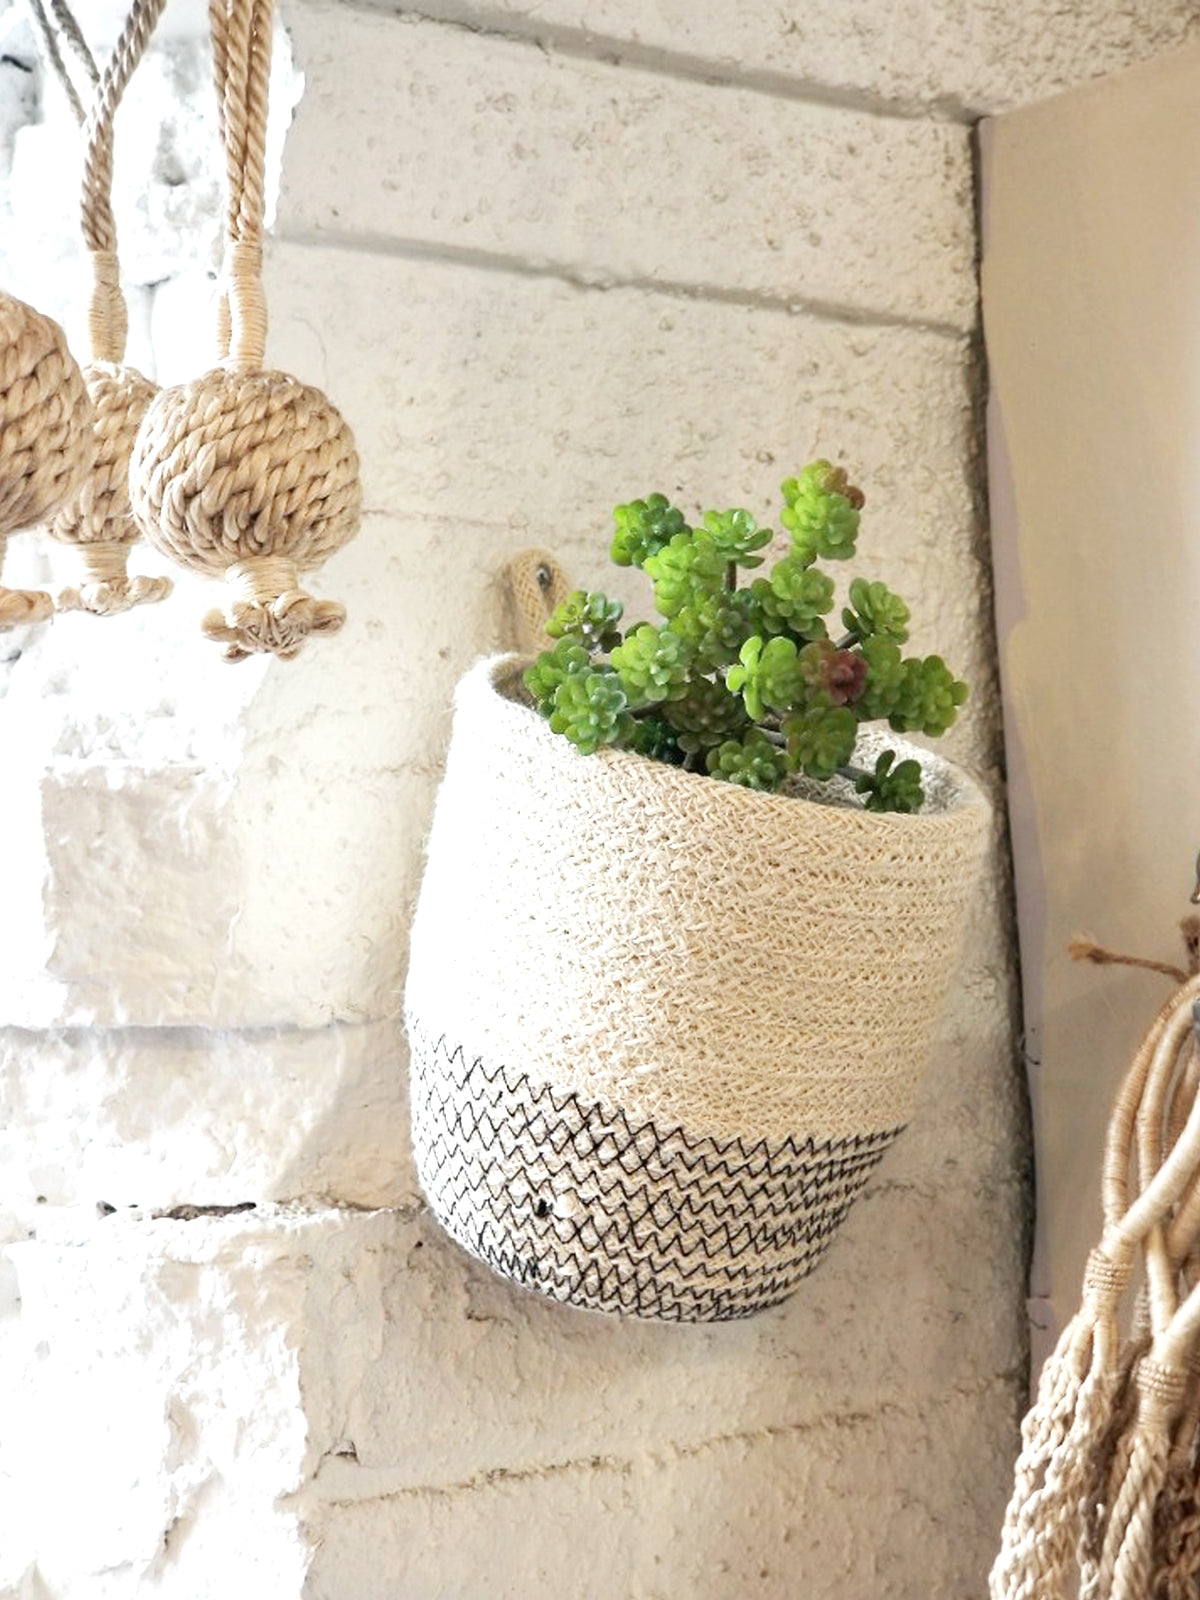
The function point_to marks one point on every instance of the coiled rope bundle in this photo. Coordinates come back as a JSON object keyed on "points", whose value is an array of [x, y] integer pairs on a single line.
{"points": [[246, 473], [98, 520], [1106, 1497]]}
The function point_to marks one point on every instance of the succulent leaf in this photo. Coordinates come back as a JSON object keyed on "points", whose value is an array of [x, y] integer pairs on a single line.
{"points": [[643, 527]]}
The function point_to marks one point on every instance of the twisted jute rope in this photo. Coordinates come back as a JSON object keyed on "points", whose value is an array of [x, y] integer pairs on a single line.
{"points": [[46, 444], [50, 36], [98, 521], [1099, 1444], [1142, 1531], [1118, 1555], [1164, 1450], [244, 473], [1176, 1536], [1176, 1557]]}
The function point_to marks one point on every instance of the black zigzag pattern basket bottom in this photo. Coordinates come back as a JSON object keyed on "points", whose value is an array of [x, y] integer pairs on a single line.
{"points": [[577, 1202]]}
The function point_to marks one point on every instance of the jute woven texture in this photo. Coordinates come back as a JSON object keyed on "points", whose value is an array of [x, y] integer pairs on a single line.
{"points": [[99, 521], [46, 445], [719, 978], [577, 1201]]}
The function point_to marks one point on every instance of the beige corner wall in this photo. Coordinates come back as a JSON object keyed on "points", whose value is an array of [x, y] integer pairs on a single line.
{"points": [[543, 261], [1092, 313]]}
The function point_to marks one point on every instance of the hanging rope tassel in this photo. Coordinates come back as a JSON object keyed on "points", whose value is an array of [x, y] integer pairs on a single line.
{"points": [[244, 473], [1127, 1555], [1060, 1440], [1177, 1518], [98, 522]]}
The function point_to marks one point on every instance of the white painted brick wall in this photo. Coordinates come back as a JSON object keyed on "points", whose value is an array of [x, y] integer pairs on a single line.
{"points": [[939, 58], [539, 273], [603, 174]]}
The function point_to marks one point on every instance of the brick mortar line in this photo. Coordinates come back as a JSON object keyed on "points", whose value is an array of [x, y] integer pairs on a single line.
{"points": [[417, 250], [970, 1394], [612, 50]]}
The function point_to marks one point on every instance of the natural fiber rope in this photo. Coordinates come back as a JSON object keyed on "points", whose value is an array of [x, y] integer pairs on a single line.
{"points": [[1173, 1558], [1112, 1435], [241, 35], [1098, 955], [1139, 1463], [108, 320], [71, 32], [1064, 1435], [535, 585], [100, 518], [20, 607], [46, 444], [245, 473], [48, 43], [1177, 1515]]}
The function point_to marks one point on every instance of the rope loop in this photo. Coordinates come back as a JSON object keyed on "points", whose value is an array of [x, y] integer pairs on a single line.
{"points": [[107, 318]]}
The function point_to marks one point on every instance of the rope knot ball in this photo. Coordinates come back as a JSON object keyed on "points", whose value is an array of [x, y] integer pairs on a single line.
{"points": [[250, 475], [46, 444], [99, 520]]}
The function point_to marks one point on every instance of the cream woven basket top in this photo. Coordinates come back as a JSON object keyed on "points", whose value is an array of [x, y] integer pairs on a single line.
{"points": [[700, 954]]}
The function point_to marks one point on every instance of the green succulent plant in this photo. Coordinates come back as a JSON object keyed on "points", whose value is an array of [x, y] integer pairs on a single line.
{"points": [[744, 681]]}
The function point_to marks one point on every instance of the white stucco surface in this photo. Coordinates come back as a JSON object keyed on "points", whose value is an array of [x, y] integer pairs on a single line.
{"points": [[539, 274]]}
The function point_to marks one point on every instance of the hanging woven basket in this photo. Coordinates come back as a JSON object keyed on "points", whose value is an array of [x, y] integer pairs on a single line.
{"points": [[664, 1027]]}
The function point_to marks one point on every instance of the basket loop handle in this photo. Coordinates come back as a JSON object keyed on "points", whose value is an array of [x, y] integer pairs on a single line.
{"points": [[535, 585]]}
